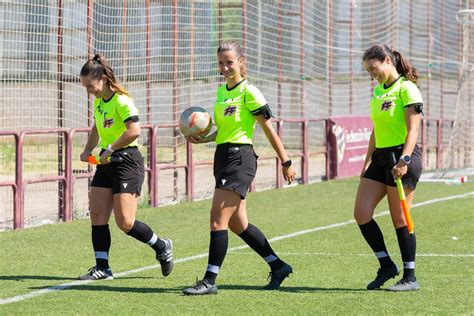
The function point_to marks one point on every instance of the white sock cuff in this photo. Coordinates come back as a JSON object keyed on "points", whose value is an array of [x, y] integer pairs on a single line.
{"points": [[270, 258], [153, 240], [213, 268], [409, 265], [102, 255]]}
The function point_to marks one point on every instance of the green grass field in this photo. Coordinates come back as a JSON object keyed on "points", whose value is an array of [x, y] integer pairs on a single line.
{"points": [[332, 264]]}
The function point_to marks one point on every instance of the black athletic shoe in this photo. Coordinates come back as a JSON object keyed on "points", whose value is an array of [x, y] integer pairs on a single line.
{"points": [[96, 273], [202, 287], [383, 275], [276, 277], [166, 258]]}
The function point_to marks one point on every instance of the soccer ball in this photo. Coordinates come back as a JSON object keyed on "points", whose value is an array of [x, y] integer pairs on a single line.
{"points": [[195, 121]]}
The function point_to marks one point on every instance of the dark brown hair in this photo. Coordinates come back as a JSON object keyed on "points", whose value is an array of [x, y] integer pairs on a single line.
{"points": [[235, 47], [403, 66], [97, 67]]}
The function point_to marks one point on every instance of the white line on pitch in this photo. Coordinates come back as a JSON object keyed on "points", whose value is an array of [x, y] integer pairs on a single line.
{"points": [[456, 255], [203, 255]]}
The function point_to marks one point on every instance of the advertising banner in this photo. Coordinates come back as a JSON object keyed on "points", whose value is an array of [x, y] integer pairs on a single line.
{"points": [[349, 138]]}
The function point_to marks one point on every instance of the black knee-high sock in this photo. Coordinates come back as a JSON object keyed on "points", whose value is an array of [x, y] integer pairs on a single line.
{"points": [[407, 244], [101, 244], [217, 251], [259, 243], [143, 233], [374, 237]]}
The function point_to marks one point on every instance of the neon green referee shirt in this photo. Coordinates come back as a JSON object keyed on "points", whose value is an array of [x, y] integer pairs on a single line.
{"points": [[387, 111], [110, 118], [233, 113]]}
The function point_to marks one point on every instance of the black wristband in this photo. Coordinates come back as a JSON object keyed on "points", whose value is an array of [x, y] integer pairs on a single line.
{"points": [[287, 163]]}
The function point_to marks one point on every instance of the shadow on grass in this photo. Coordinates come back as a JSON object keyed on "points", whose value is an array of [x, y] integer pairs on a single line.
{"points": [[290, 289], [33, 277], [178, 290], [21, 278], [119, 289]]}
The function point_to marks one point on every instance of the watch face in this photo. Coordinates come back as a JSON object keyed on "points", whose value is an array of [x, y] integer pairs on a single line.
{"points": [[406, 159]]}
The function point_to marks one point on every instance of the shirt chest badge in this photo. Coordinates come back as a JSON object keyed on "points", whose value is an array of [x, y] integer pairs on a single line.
{"points": [[386, 105], [230, 110], [107, 122], [387, 102]]}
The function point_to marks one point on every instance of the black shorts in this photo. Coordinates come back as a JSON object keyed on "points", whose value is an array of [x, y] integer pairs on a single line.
{"points": [[235, 166], [122, 177], [380, 167]]}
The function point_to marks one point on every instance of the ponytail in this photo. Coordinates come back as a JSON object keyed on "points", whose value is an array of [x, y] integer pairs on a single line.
{"points": [[97, 67], [404, 67]]}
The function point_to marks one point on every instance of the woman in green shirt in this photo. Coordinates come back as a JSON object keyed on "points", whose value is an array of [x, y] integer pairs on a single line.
{"points": [[116, 186], [238, 107], [395, 111]]}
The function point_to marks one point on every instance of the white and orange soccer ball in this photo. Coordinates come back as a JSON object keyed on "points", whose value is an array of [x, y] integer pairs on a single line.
{"points": [[195, 122]]}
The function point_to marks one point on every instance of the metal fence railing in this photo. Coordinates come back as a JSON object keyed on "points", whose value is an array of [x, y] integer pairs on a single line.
{"points": [[68, 177]]}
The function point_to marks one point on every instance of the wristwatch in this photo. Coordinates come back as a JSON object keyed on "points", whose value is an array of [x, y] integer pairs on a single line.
{"points": [[406, 159], [286, 164]]}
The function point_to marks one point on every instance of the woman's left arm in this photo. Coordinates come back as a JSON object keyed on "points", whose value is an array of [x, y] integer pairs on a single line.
{"points": [[413, 119], [129, 135], [266, 124]]}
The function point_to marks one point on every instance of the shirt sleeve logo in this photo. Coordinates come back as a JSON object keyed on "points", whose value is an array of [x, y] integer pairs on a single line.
{"points": [[229, 111]]}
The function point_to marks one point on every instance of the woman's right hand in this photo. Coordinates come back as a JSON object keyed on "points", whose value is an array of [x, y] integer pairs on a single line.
{"points": [[289, 174], [197, 140], [84, 155]]}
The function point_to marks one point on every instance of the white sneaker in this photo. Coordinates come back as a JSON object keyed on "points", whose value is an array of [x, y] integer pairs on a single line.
{"points": [[405, 285]]}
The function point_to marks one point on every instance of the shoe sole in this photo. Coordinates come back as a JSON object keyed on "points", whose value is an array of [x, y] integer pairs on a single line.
{"points": [[197, 294], [407, 290], [107, 278]]}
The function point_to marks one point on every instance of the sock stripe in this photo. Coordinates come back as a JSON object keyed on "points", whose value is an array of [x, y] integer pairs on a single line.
{"points": [[101, 255], [270, 258], [153, 240], [212, 268], [409, 265]]}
